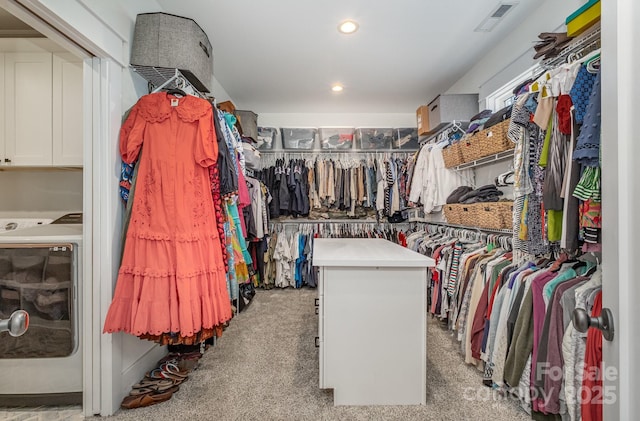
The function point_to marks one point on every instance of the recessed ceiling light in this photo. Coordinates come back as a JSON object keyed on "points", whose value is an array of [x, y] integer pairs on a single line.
{"points": [[337, 88], [348, 26]]}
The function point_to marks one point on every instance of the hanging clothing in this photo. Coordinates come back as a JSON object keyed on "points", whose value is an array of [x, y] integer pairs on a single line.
{"points": [[225, 161], [592, 391], [164, 283]]}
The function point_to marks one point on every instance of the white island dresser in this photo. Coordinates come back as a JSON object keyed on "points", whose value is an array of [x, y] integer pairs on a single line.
{"points": [[372, 299]]}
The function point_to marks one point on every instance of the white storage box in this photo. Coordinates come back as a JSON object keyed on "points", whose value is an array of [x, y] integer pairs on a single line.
{"points": [[167, 41], [266, 138], [340, 138], [299, 138], [406, 138], [374, 138]]}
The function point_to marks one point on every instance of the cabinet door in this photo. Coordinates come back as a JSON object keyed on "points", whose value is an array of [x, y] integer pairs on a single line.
{"points": [[67, 110], [3, 126], [28, 129]]}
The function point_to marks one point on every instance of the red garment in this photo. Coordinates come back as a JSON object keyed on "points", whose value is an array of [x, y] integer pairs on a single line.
{"points": [[214, 177], [496, 288], [402, 239], [563, 108], [435, 277], [172, 276], [592, 389], [477, 328]]}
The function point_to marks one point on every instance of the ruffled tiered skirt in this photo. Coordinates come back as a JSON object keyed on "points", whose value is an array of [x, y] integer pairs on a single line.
{"points": [[170, 284]]}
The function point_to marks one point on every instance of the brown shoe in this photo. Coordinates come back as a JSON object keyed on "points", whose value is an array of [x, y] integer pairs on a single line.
{"points": [[147, 399]]}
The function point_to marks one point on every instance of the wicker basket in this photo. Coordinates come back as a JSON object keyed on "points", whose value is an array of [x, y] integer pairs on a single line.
{"points": [[494, 215], [452, 155], [452, 213], [487, 142], [468, 214]]}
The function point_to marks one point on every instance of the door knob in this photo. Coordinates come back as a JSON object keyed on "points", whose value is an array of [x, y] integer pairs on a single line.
{"points": [[582, 322], [7, 160], [17, 324]]}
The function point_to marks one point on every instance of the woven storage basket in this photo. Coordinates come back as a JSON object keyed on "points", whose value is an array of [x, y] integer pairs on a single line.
{"points": [[495, 215], [452, 155], [452, 213], [469, 214], [487, 142]]}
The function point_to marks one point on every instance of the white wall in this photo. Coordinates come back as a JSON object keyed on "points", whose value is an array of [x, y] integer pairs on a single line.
{"points": [[40, 190], [514, 54], [336, 119]]}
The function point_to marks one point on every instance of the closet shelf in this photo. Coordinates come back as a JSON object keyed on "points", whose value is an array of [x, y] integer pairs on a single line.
{"points": [[500, 156], [165, 78], [34, 285], [579, 47], [158, 76], [455, 125]]}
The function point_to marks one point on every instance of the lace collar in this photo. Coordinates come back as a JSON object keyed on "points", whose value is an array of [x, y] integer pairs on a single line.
{"points": [[156, 107]]}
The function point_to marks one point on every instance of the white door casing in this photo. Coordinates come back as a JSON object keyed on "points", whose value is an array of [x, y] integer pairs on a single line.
{"points": [[73, 26], [621, 201]]}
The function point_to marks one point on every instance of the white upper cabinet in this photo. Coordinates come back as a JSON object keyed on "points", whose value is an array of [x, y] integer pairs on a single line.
{"points": [[41, 111], [28, 108], [67, 110]]}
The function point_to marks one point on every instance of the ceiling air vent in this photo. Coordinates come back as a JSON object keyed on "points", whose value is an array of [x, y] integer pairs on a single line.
{"points": [[495, 16]]}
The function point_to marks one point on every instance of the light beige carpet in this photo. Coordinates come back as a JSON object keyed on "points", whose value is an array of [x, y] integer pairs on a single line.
{"points": [[265, 367]]}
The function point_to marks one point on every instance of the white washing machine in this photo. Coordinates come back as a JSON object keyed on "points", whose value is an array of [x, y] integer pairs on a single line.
{"points": [[41, 272]]}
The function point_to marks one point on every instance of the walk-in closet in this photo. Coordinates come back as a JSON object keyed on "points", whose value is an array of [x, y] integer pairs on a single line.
{"points": [[285, 210]]}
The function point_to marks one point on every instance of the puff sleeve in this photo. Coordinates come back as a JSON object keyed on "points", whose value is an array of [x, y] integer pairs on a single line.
{"points": [[132, 135], [206, 150]]}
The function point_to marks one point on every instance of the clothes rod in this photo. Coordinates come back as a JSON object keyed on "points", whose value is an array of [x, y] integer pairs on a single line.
{"points": [[470, 228], [338, 221], [336, 151]]}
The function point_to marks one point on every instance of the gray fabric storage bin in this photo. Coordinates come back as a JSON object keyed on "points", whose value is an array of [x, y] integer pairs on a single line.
{"points": [[174, 42], [450, 107], [249, 122]]}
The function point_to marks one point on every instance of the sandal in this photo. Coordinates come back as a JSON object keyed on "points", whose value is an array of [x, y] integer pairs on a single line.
{"points": [[147, 399], [185, 362], [176, 356], [151, 385], [159, 374], [173, 368]]}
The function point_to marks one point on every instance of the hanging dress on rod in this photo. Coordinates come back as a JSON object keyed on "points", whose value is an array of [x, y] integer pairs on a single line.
{"points": [[172, 277]]}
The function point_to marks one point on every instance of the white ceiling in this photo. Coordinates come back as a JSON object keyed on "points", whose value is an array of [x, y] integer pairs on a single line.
{"points": [[282, 56]]}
